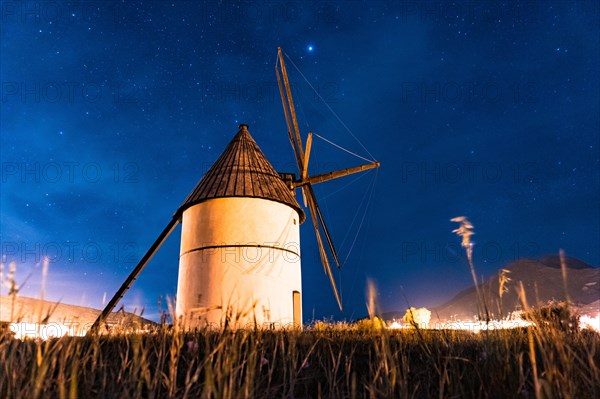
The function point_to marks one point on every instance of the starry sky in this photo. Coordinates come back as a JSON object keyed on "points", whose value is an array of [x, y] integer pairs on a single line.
{"points": [[112, 111]]}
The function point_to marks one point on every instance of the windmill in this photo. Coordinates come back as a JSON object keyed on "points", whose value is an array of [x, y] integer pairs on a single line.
{"points": [[239, 259]]}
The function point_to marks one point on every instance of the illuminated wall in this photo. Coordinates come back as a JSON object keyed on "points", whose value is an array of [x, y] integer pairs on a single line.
{"points": [[240, 260]]}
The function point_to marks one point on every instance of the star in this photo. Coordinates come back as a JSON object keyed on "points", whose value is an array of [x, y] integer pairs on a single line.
{"points": [[310, 48]]}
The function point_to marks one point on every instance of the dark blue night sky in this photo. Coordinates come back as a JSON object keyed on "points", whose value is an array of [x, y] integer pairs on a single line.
{"points": [[112, 111]]}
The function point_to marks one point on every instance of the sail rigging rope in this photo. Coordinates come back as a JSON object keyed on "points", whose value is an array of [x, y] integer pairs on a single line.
{"points": [[352, 286], [368, 193], [360, 176], [342, 148], [372, 189], [358, 208], [366, 209], [340, 284], [330, 109]]}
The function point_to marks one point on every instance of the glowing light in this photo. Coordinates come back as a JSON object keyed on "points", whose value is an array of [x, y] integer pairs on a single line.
{"points": [[310, 48], [395, 326], [589, 322], [467, 325], [419, 316]]}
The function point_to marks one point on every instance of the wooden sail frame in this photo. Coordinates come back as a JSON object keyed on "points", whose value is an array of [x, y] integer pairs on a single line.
{"points": [[305, 182]]}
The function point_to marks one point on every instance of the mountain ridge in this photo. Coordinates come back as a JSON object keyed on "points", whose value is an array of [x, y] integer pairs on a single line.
{"points": [[32, 310], [542, 281]]}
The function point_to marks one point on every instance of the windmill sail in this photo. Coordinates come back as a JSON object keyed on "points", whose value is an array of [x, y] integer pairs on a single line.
{"points": [[319, 223], [323, 226], [302, 158], [306, 181]]}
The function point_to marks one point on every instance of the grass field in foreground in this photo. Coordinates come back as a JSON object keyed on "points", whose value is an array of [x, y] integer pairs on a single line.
{"points": [[335, 361]]}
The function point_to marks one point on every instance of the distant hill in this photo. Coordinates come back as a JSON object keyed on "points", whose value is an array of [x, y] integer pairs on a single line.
{"points": [[542, 280], [31, 310]]}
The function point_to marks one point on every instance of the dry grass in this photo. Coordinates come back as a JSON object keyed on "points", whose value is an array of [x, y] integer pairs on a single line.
{"points": [[362, 360], [340, 361]]}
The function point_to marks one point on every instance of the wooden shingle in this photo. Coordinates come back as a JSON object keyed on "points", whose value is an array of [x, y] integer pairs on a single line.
{"points": [[242, 170]]}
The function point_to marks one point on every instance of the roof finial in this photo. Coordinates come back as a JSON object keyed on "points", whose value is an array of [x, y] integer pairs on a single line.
{"points": [[243, 126]]}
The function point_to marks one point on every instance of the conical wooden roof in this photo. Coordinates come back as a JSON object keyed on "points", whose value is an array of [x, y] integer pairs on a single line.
{"points": [[242, 170]]}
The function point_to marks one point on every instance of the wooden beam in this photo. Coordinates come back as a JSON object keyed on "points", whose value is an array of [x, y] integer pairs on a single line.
{"points": [[292, 110], [334, 175], [134, 274], [288, 122], [304, 173]]}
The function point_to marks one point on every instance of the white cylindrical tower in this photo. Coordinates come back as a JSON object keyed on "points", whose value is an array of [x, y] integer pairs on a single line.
{"points": [[240, 244]]}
